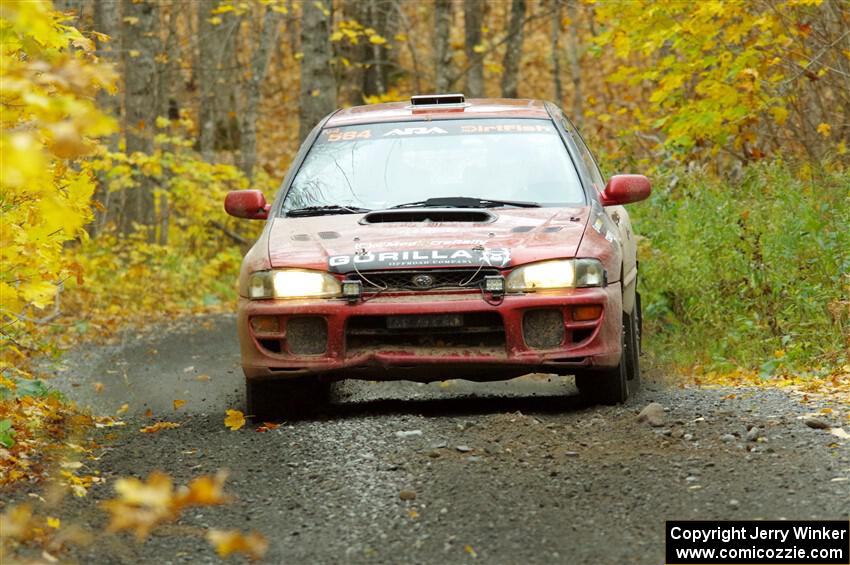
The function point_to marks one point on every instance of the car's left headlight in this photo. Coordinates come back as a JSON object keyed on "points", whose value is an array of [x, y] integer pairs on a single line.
{"points": [[292, 283], [563, 273]]}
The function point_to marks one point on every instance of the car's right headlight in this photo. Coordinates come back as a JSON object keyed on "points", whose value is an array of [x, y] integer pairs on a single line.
{"points": [[291, 283], [562, 273]]}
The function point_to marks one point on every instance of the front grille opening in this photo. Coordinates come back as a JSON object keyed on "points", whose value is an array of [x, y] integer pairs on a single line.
{"points": [[543, 329], [424, 279], [307, 335], [272, 345], [478, 330]]}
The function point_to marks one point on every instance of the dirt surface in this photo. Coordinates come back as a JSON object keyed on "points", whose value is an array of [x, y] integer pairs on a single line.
{"points": [[512, 472]]}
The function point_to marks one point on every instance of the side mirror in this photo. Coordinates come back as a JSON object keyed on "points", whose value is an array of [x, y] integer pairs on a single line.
{"points": [[250, 204], [623, 189]]}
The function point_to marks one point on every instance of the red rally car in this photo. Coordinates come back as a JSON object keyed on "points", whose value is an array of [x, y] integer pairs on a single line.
{"points": [[437, 239]]}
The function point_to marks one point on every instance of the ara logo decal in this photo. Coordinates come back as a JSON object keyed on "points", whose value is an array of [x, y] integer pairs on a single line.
{"points": [[414, 131], [369, 261]]}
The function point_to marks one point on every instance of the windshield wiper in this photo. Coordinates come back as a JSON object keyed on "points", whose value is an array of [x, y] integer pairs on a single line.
{"points": [[466, 202], [326, 210]]}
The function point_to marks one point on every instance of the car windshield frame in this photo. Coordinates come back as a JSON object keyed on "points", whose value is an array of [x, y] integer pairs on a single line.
{"points": [[575, 173]]}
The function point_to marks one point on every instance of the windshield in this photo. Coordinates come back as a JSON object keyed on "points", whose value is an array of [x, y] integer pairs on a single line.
{"points": [[378, 166]]}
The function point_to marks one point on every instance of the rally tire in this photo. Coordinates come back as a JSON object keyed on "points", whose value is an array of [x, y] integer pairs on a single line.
{"points": [[609, 386], [285, 399]]}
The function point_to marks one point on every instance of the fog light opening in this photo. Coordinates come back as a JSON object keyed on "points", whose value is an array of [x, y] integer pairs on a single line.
{"points": [[587, 312]]}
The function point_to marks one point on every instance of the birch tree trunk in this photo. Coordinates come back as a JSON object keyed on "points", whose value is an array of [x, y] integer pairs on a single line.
{"points": [[513, 51], [217, 84], [442, 45], [318, 87], [253, 90], [473, 15], [555, 30], [107, 20], [577, 116], [140, 45]]}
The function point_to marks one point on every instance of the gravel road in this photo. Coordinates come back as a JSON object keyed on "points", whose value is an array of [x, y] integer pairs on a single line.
{"points": [[511, 472]]}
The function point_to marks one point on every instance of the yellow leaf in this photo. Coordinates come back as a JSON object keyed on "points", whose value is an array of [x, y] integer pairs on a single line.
{"points": [[824, 129], [202, 378], [468, 548], [780, 114], [54, 522], [479, 48], [177, 403], [377, 40], [153, 428], [134, 53], [234, 419], [204, 491], [215, 20], [841, 148], [226, 542], [123, 409]]}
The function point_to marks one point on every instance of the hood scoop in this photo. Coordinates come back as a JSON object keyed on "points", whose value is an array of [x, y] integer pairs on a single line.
{"points": [[431, 215]]}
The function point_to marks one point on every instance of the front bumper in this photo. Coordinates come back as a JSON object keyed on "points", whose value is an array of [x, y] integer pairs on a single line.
{"points": [[346, 340]]}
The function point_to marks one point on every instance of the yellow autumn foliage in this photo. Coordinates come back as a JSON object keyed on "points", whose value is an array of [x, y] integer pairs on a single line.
{"points": [[49, 122]]}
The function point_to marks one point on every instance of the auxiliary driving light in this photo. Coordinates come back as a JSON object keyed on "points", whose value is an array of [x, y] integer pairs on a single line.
{"points": [[352, 290], [494, 284]]}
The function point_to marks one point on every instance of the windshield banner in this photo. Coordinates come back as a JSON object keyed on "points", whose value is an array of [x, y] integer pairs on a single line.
{"points": [[369, 261]]}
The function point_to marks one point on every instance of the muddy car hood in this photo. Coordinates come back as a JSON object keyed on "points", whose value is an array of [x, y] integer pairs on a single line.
{"points": [[527, 234]]}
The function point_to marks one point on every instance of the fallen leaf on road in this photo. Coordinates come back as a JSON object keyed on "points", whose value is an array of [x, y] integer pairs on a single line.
{"points": [[140, 506], [153, 428], [202, 378], [123, 409], [839, 432], [413, 514], [254, 545], [189, 369], [148, 413], [98, 387], [177, 403], [234, 419], [267, 427], [205, 491], [54, 522], [470, 551]]}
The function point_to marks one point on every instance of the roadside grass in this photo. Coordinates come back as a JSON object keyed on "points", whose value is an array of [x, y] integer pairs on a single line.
{"points": [[753, 288]]}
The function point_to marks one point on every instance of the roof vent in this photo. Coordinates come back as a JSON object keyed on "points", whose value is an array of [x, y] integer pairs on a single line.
{"points": [[437, 100]]}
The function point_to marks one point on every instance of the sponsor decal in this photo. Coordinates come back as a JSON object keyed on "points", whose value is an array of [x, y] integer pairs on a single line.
{"points": [[414, 131], [372, 261]]}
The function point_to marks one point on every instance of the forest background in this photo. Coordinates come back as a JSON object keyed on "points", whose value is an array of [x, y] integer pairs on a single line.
{"points": [[124, 123]]}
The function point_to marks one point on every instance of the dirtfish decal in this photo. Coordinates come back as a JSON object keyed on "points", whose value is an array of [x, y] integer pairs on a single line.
{"points": [[499, 258]]}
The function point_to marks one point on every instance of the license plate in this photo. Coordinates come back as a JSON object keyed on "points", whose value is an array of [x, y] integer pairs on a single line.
{"points": [[426, 321]]}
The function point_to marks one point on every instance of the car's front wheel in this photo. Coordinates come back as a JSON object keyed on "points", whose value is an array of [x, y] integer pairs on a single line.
{"points": [[610, 386], [270, 400]]}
